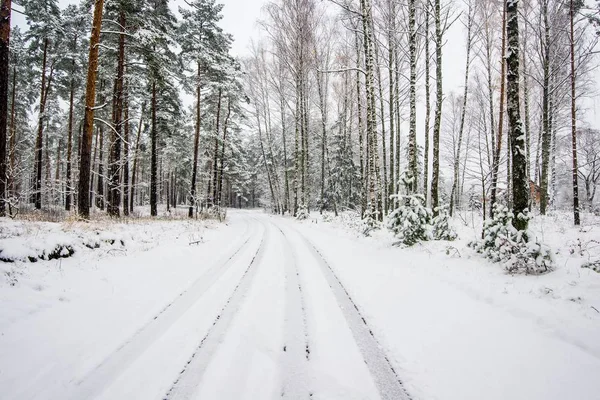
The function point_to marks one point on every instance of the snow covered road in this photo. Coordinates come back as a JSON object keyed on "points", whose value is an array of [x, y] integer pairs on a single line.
{"points": [[268, 308]]}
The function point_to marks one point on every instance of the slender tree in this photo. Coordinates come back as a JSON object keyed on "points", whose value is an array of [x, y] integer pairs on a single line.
{"points": [[83, 204], [5, 9]]}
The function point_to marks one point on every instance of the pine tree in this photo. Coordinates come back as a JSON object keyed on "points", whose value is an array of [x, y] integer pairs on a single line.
{"points": [[204, 47], [83, 204], [70, 83], [44, 34]]}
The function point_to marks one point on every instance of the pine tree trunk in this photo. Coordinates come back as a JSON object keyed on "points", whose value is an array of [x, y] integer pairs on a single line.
{"points": [[222, 156], [114, 195], [69, 194], [135, 159], [196, 141], [12, 187], [125, 148], [215, 170], [40, 134], [100, 182], [154, 158], [576, 218], [5, 9], [83, 202], [520, 189]]}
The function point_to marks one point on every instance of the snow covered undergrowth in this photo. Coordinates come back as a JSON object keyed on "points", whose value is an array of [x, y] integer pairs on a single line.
{"points": [[460, 327], [61, 317]]}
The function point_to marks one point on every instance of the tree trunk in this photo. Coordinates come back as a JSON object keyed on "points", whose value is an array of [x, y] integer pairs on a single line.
{"points": [[413, 172], [222, 156], [196, 141], [215, 165], [135, 159], [100, 182], [5, 9], [114, 195], [40, 134], [546, 131], [12, 187], [69, 194], [90, 99], [427, 106], [154, 158], [576, 218], [126, 148], [520, 189], [435, 176], [497, 150], [392, 99], [461, 128]]}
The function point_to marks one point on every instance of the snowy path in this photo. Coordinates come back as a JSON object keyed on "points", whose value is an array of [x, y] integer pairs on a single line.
{"points": [[271, 309]]}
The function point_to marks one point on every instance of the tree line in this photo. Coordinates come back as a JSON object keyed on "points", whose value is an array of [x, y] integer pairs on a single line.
{"points": [[353, 107], [93, 115], [340, 105]]}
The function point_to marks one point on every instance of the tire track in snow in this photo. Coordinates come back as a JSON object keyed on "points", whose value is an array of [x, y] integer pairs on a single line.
{"points": [[384, 375], [99, 378], [189, 379], [296, 344]]}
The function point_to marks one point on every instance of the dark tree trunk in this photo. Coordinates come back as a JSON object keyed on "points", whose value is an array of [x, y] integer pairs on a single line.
{"points": [[154, 158], [114, 195], [12, 187], [69, 194], [5, 9], [546, 124], [222, 156], [40, 134], [135, 159], [100, 182], [90, 99], [125, 149], [520, 189], [576, 218], [215, 170], [196, 140]]}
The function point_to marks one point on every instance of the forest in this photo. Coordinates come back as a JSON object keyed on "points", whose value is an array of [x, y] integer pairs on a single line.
{"points": [[338, 105]]}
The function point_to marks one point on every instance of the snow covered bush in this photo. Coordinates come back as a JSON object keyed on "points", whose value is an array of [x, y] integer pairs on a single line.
{"points": [[411, 221], [593, 265], [441, 225], [369, 223], [302, 213], [518, 251]]}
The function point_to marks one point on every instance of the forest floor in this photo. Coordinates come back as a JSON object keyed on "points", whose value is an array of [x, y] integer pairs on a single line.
{"points": [[265, 307]]}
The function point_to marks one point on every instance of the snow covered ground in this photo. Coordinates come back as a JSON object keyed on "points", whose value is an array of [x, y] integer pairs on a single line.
{"points": [[266, 307]]}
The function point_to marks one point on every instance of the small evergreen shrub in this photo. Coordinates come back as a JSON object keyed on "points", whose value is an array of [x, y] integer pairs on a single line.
{"points": [[518, 251], [302, 213], [369, 223], [441, 225], [411, 221]]}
